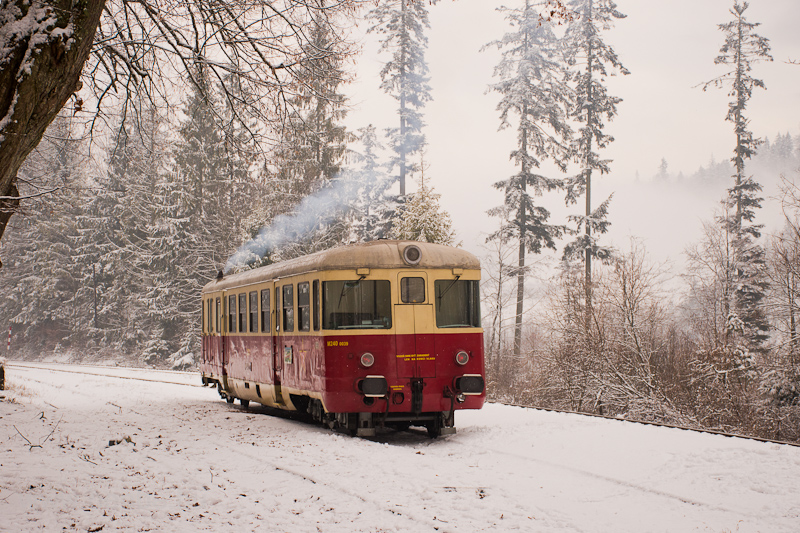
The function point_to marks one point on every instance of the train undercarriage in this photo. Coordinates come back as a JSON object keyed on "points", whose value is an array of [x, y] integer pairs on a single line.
{"points": [[359, 424]]}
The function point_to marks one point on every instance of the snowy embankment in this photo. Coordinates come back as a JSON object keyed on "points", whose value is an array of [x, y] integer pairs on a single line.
{"points": [[92, 453]]}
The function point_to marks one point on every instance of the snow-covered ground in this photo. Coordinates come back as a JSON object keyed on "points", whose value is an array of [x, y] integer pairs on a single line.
{"points": [[94, 453]]}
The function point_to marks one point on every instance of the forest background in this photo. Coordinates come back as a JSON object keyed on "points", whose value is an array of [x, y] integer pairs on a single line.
{"points": [[131, 209]]}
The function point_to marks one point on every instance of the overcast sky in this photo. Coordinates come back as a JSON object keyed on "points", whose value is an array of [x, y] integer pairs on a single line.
{"points": [[669, 47]]}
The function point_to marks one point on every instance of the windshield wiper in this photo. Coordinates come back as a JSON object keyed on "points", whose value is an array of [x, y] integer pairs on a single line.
{"points": [[448, 288], [347, 287]]}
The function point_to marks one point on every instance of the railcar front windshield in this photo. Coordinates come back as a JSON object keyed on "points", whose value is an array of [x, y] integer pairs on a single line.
{"points": [[357, 304], [457, 304]]}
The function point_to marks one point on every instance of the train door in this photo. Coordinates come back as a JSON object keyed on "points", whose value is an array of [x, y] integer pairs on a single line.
{"points": [[218, 342], [414, 328], [277, 344]]}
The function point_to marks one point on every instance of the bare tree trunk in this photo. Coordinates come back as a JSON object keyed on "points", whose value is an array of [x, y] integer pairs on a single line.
{"points": [[40, 70]]}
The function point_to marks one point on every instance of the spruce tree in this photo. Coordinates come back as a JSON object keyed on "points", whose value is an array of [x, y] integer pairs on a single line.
{"points": [[591, 60], [405, 76], [372, 214], [422, 219], [742, 48], [315, 140], [534, 94]]}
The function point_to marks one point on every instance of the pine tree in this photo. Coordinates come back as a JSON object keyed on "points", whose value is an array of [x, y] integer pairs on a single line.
{"points": [[405, 76], [741, 49], [109, 231], [44, 294], [533, 92], [592, 61], [212, 166], [372, 215], [315, 142], [422, 219]]}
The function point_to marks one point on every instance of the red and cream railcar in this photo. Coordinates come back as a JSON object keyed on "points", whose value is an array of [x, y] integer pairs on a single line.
{"points": [[382, 333]]}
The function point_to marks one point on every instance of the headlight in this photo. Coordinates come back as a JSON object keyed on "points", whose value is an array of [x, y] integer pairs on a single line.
{"points": [[412, 254], [367, 360], [462, 358]]}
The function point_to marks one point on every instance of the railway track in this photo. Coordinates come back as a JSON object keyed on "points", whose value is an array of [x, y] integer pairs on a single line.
{"points": [[658, 424], [109, 372]]}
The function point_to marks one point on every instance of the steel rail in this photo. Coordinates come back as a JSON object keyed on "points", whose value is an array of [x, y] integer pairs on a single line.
{"points": [[77, 370], [657, 424]]}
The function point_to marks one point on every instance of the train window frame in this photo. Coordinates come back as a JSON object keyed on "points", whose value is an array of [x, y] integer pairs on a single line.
{"points": [[203, 325], [287, 297], [232, 313], [353, 316], [252, 306], [304, 306], [315, 297], [210, 316], [216, 316], [277, 309], [265, 311], [410, 294], [242, 312], [461, 308]]}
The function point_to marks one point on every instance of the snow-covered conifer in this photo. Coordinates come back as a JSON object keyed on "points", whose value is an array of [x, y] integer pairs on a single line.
{"points": [[535, 97], [591, 60], [421, 218], [405, 76], [742, 48]]}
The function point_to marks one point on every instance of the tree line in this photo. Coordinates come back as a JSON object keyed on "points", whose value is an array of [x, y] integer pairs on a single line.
{"points": [[714, 347], [115, 240]]}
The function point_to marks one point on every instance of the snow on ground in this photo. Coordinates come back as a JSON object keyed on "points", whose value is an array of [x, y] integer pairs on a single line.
{"points": [[93, 453]]}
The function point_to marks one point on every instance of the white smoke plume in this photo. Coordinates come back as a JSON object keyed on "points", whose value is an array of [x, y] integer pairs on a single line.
{"points": [[313, 211]]}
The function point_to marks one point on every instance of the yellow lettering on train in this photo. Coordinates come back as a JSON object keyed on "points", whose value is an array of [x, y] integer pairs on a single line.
{"points": [[417, 357], [338, 343]]}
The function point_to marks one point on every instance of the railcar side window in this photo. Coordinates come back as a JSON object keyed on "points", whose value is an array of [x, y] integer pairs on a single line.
{"points": [[304, 306], [288, 308], [412, 290], [357, 304], [265, 310], [210, 316], [231, 314], [316, 304], [253, 297], [457, 303], [243, 313]]}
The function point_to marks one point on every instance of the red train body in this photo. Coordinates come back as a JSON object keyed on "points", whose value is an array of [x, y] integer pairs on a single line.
{"points": [[383, 333]]}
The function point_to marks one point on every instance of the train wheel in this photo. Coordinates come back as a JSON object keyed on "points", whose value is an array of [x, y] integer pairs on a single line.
{"points": [[245, 403], [435, 427]]}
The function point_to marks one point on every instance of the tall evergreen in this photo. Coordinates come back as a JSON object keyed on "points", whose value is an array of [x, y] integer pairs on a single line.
{"points": [[315, 140], [405, 76], [372, 213], [110, 231], [534, 94], [45, 295], [212, 167], [742, 48], [422, 219], [591, 60]]}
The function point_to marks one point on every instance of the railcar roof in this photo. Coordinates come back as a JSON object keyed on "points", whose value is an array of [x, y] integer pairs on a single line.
{"points": [[375, 254]]}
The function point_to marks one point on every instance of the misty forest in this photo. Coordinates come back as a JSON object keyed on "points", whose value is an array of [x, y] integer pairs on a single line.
{"points": [[142, 151]]}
